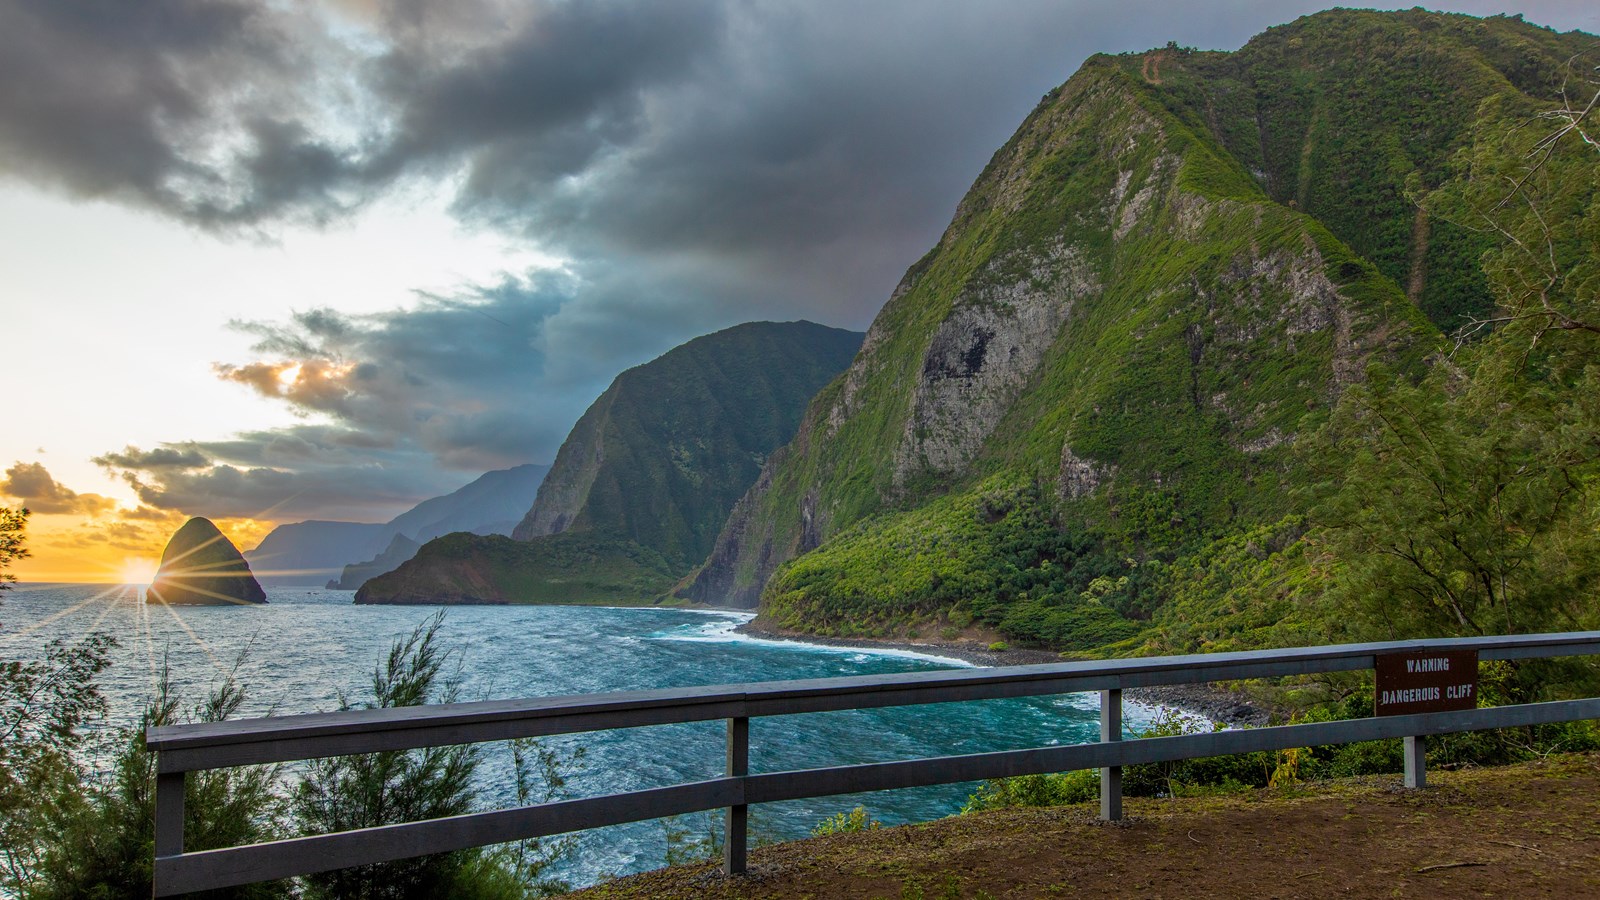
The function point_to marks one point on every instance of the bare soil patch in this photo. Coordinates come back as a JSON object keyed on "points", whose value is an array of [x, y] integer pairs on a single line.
{"points": [[1530, 830]]}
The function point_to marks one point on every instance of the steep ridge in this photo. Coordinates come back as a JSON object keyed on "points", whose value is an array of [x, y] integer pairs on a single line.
{"points": [[663, 454], [646, 477], [1350, 115], [491, 504], [1102, 366], [317, 552], [400, 549]]}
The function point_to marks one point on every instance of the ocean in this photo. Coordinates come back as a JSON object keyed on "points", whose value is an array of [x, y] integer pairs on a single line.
{"points": [[308, 646]]}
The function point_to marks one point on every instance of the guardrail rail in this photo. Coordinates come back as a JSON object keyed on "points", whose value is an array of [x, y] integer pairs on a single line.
{"points": [[187, 748]]}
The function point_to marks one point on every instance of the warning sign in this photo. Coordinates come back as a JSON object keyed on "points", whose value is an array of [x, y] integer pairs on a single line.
{"points": [[1426, 681]]}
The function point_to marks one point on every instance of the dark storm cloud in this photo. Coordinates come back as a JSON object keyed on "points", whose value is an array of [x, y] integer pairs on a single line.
{"points": [[696, 163], [790, 156], [801, 153], [309, 471], [197, 108], [400, 406], [567, 81]]}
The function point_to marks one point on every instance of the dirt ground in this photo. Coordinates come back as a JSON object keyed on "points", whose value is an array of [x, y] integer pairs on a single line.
{"points": [[1530, 830]]}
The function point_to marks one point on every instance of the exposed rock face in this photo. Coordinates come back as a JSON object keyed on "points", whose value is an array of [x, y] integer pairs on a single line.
{"points": [[201, 566], [1079, 477], [983, 354], [1117, 305]]}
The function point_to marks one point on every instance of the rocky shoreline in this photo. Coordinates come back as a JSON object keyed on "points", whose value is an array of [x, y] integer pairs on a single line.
{"points": [[1213, 702]]}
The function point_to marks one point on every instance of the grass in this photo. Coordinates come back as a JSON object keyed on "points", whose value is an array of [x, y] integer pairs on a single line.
{"points": [[1514, 830]]}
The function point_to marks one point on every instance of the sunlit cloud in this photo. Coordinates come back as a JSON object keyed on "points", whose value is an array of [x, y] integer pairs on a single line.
{"points": [[31, 485], [673, 168]]}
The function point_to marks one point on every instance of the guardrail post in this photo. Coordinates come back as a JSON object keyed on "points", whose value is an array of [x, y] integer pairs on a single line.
{"points": [[1416, 765], [1111, 777], [169, 814], [736, 818]]}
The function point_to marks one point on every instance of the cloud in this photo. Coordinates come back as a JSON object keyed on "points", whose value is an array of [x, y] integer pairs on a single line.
{"points": [[425, 376], [693, 164], [33, 485], [308, 471], [159, 459], [781, 157], [211, 111], [411, 403]]}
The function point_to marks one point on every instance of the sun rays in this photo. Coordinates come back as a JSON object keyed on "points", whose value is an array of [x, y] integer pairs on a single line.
{"points": [[121, 610], [204, 647], [62, 613]]}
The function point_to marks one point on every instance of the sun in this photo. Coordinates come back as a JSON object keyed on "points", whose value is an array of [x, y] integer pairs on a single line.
{"points": [[138, 570]]}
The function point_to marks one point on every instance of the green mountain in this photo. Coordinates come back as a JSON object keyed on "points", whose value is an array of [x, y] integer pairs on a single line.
{"points": [[575, 567], [1171, 272], [648, 473]]}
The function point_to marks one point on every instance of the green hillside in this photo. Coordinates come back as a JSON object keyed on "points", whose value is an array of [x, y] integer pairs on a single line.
{"points": [[1104, 374], [647, 475], [663, 454], [582, 567]]}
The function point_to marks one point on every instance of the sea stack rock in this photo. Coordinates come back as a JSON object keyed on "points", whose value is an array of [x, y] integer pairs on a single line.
{"points": [[200, 565]]}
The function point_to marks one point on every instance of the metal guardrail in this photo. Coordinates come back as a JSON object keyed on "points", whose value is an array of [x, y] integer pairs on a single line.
{"points": [[187, 748]]}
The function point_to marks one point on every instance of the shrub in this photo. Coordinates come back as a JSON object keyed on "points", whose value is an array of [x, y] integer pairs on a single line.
{"points": [[846, 823], [375, 789], [100, 837], [1035, 790]]}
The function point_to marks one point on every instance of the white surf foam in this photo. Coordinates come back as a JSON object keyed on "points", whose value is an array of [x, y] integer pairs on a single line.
{"points": [[726, 633]]}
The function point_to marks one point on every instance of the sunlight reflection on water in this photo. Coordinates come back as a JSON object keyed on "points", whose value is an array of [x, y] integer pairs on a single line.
{"points": [[307, 646]]}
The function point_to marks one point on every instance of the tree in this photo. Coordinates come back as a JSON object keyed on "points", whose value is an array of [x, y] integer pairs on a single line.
{"points": [[348, 792], [1465, 505], [1530, 181], [13, 522], [98, 839], [1470, 503], [375, 789], [42, 704]]}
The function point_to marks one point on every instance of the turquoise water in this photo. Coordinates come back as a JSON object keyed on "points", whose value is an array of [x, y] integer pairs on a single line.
{"points": [[300, 651]]}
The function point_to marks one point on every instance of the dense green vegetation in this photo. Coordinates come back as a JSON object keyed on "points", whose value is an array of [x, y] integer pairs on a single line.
{"points": [[1326, 382], [1226, 774], [664, 453], [1349, 115], [572, 567], [994, 557]]}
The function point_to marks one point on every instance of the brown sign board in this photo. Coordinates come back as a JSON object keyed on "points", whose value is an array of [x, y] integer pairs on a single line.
{"points": [[1426, 681]]}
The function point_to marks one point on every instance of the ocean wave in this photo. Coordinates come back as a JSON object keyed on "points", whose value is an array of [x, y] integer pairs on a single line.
{"points": [[727, 633]]}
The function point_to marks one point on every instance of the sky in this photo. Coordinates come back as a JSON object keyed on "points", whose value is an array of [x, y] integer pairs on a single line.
{"points": [[275, 261]]}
